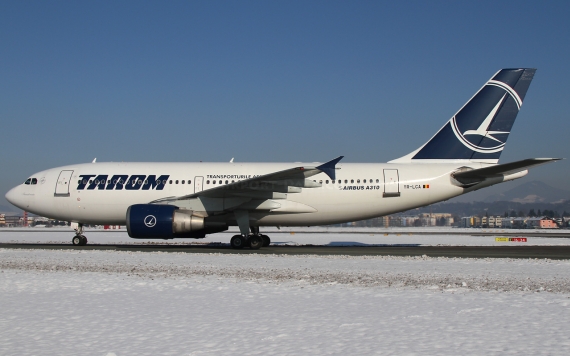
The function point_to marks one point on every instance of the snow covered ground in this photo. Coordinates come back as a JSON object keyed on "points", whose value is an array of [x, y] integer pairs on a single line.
{"points": [[89, 302], [122, 303]]}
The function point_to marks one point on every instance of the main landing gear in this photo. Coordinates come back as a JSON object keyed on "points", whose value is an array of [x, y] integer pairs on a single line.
{"points": [[79, 239], [253, 240]]}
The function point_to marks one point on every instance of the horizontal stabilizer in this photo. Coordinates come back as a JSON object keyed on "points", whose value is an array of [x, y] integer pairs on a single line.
{"points": [[478, 175]]}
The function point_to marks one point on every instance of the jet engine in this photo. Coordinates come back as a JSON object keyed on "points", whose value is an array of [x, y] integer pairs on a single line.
{"points": [[150, 221]]}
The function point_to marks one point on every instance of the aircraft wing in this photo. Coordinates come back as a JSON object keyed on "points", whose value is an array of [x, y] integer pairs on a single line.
{"points": [[268, 185], [478, 175]]}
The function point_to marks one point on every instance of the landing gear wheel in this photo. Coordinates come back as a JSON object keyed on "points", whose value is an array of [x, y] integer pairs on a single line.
{"points": [[79, 240], [266, 240], [255, 242], [237, 242]]}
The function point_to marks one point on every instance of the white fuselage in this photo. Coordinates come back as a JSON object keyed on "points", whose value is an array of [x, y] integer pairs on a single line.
{"points": [[89, 194]]}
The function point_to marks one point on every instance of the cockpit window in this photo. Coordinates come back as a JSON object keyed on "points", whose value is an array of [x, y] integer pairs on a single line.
{"points": [[29, 181], [34, 181]]}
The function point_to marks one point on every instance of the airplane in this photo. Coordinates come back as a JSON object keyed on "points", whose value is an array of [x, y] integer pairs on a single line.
{"points": [[161, 200]]}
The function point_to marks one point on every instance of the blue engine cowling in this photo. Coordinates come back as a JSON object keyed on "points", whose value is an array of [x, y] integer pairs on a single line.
{"points": [[150, 221]]}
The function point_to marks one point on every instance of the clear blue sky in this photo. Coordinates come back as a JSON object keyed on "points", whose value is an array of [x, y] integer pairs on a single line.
{"points": [[268, 80]]}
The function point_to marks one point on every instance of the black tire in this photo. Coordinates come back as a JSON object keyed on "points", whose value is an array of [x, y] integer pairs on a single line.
{"points": [[255, 242], [266, 240], [83, 241], [237, 242], [76, 240]]}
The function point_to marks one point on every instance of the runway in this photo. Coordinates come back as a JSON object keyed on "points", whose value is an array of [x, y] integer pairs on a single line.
{"points": [[450, 242], [550, 252]]}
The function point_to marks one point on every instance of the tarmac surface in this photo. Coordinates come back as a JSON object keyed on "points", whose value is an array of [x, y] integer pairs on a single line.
{"points": [[550, 252], [466, 232]]}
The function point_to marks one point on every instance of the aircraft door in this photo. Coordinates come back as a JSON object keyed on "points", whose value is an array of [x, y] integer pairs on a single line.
{"points": [[63, 183], [391, 183], [198, 184]]}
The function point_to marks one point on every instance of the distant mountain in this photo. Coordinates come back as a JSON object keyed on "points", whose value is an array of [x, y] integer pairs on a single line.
{"points": [[531, 192]]}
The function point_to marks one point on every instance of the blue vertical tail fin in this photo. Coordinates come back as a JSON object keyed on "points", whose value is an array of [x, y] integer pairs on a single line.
{"points": [[479, 130]]}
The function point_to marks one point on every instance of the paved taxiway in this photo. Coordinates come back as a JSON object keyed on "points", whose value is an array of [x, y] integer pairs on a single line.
{"points": [[551, 252]]}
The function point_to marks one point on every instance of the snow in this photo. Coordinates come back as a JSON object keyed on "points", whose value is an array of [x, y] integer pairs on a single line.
{"points": [[99, 302]]}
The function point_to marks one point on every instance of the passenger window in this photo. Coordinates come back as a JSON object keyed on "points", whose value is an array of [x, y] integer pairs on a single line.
{"points": [[183, 181], [189, 181], [327, 182], [332, 181], [358, 181], [345, 181], [364, 181], [352, 181], [226, 182], [170, 181], [207, 182], [321, 181], [220, 182], [213, 182], [177, 181], [377, 181]]}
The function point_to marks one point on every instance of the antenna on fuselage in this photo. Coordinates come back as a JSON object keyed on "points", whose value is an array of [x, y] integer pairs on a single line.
{"points": [[232, 160], [94, 160]]}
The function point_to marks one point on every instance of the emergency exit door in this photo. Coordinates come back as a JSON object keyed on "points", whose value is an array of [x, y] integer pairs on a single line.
{"points": [[391, 183], [198, 184], [63, 183]]}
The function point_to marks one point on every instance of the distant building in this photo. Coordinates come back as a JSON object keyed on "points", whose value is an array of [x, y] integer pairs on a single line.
{"points": [[492, 222], [13, 221], [542, 223], [470, 221], [466, 221], [498, 221]]}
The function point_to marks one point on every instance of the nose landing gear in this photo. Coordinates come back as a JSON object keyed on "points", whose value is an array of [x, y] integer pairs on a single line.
{"points": [[79, 239]]}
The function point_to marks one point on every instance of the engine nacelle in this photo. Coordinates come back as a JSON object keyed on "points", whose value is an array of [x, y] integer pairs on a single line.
{"points": [[150, 221]]}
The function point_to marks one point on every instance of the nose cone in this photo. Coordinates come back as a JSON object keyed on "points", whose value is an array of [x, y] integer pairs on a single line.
{"points": [[15, 197]]}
